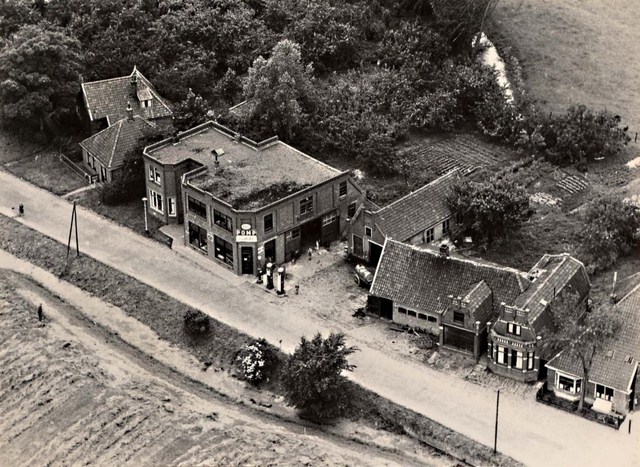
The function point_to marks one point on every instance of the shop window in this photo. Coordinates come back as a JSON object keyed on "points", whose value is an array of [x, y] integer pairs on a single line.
{"points": [[197, 236], [268, 223], [343, 189], [458, 317], [222, 220], [197, 207], [351, 210], [223, 249]]}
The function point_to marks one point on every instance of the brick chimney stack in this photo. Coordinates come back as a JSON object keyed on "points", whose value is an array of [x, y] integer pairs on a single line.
{"points": [[129, 112]]}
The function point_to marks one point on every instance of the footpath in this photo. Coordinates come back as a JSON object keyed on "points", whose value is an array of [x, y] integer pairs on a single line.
{"points": [[529, 432]]}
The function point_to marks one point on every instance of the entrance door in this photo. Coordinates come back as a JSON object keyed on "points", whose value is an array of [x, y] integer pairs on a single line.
{"points": [[375, 251], [458, 338], [103, 174], [270, 251], [358, 247], [291, 243], [246, 253], [330, 228]]}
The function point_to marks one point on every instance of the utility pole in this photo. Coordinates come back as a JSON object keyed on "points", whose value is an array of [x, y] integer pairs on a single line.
{"points": [[495, 439], [74, 223]]}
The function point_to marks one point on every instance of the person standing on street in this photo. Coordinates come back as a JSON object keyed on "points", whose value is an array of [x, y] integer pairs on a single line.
{"points": [[40, 316]]}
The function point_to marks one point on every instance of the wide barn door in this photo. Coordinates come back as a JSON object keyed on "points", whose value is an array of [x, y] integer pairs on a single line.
{"points": [[458, 338]]}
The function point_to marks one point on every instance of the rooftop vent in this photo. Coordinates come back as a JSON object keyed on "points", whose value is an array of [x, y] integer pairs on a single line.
{"points": [[628, 359], [534, 274], [543, 302], [610, 353]]}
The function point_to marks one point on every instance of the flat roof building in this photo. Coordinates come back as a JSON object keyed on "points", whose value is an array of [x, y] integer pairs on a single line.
{"points": [[245, 203]]}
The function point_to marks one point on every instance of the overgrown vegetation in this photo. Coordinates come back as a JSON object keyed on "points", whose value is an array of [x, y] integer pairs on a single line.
{"points": [[196, 323]]}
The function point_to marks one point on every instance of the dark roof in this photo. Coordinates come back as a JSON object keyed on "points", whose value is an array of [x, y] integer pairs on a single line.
{"points": [[418, 211], [476, 295], [109, 98], [422, 279], [553, 274], [111, 145], [616, 366], [249, 175]]}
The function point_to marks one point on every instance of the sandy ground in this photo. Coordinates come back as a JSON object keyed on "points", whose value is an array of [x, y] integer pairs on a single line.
{"points": [[74, 392]]}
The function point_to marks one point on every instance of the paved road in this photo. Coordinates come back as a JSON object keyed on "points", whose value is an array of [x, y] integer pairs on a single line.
{"points": [[530, 432]]}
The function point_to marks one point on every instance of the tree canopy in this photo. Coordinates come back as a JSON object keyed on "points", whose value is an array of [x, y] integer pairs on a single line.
{"points": [[313, 379], [39, 73]]}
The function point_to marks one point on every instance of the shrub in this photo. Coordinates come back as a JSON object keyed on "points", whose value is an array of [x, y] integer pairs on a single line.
{"points": [[256, 361], [196, 322], [613, 230], [313, 380]]}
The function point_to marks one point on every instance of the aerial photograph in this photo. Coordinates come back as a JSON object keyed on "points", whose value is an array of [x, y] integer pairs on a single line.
{"points": [[319, 233]]}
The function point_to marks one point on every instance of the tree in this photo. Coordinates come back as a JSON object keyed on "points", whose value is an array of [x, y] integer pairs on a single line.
{"points": [[490, 208], [191, 111], [39, 73], [582, 134], [312, 378], [613, 230], [279, 89], [580, 334]]}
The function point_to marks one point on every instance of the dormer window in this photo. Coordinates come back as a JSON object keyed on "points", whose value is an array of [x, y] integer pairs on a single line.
{"points": [[146, 103], [513, 328]]}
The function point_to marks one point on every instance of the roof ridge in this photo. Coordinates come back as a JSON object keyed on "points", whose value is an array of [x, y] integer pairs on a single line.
{"points": [[105, 80], [545, 281], [115, 143], [631, 292], [419, 190]]}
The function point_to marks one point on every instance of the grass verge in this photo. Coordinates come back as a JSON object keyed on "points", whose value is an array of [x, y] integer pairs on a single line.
{"points": [[165, 315], [46, 170]]}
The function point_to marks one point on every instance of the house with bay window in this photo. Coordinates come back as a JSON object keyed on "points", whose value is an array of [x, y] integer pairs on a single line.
{"points": [[515, 340], [420, 217], [613, 379], [243, 203]]}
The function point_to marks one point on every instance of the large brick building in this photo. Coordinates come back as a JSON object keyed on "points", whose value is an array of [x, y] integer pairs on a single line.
{"points": [[245, 203]]}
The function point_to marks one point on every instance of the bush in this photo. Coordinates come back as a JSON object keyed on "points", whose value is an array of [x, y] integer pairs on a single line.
{"points": [[313, 380], [256, 361], [613, 230], [196, 322]]}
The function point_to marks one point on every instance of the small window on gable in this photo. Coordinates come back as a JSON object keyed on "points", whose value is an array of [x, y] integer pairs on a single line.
{"points": [[367, 231], [343, 189], [515, 329], [351, 210], [458, 317]]}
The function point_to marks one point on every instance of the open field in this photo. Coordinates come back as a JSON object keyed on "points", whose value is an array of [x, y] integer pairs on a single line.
{"points": [[576, 51]]}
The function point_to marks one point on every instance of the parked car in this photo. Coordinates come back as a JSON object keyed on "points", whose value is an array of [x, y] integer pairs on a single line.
{"points": [[363, 277]]}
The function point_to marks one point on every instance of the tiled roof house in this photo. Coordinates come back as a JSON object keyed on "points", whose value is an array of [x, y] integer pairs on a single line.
{"points": [[105, 152], [613, 379], [419, 217]]}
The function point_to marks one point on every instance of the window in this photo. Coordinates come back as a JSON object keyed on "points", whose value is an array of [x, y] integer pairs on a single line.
{"points": [[566, 383], [445, 227], [422, 316], [223, 249], [402, 310], [268, 223], [516, 359], [411, 313], [146, 103], [367, 231], [196, 207], [151, 174], [513, 328], [351, 210], [171, 206], [197, 236], [329, 218], [155, 201], [222, 220], [501, 355], [429, 236], [157, 177], [432, 319], [458, 317], [530, 360], [306, 206], [604, 392], [343, 189], [292, 234]]}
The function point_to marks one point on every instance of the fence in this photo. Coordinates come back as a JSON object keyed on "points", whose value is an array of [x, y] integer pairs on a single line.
{"points": [[548, 397], [91, 178]]}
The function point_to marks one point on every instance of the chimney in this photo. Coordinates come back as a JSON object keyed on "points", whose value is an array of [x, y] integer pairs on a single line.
{"points": [[129, 112], [216, 153]]}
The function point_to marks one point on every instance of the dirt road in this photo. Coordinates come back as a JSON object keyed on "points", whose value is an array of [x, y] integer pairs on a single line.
{"points": [[75, 393]]}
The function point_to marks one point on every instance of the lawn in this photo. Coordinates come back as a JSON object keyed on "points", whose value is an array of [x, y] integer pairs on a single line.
{"points": [[576, 51]]}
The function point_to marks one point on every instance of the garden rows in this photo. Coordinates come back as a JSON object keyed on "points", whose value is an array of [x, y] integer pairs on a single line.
{"points": [[463, 154]]}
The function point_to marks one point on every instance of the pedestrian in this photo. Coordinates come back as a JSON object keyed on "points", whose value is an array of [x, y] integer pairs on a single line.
{"points": [[40, 312], [310, 253], [21, 209]]}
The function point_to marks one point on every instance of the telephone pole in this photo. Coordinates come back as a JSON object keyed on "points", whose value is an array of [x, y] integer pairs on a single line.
{"points": [[74, 223]]}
